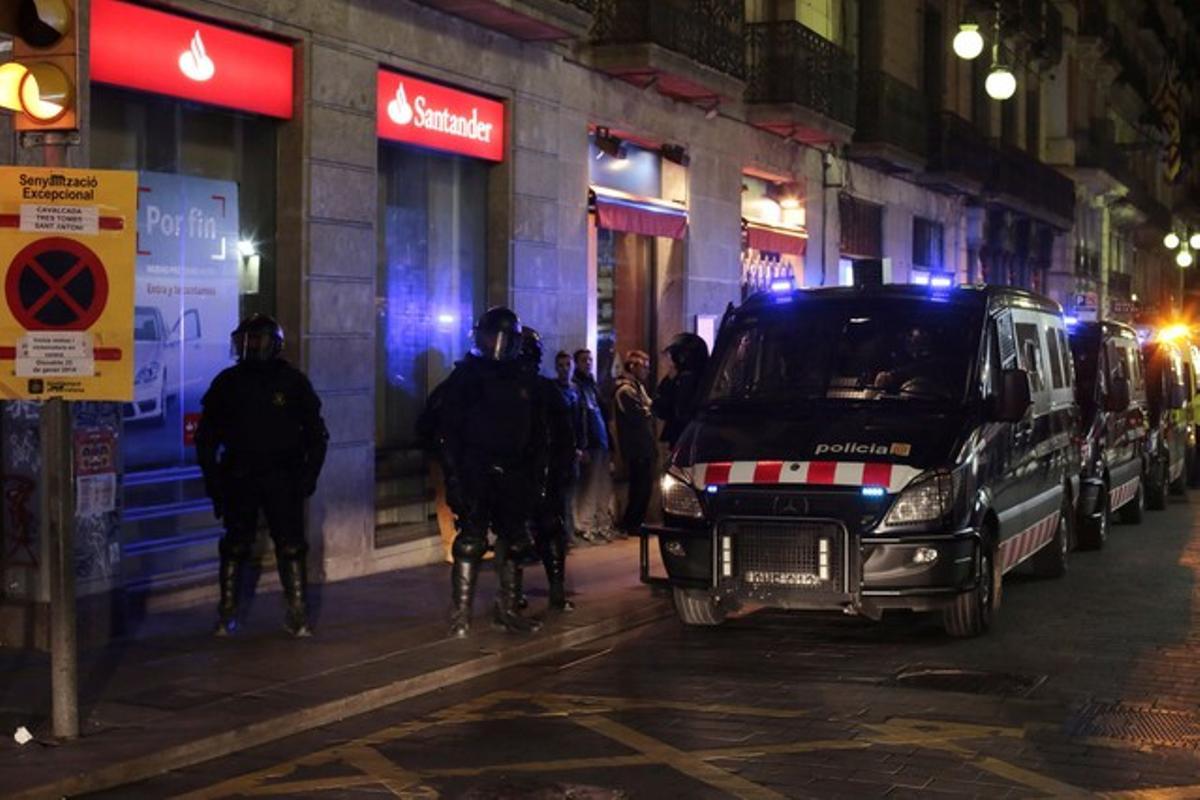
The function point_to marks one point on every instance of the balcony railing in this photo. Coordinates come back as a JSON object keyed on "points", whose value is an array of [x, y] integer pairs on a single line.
{"points": [[708, 32], [891, 112], [790, 63], [1018, 175], [957, 148]]}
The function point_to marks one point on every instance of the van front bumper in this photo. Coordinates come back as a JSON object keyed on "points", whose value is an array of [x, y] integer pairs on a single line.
{"points": [[918, 572]]}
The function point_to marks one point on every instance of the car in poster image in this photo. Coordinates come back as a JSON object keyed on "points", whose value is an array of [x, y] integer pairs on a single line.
{"points": [[155, 376]]}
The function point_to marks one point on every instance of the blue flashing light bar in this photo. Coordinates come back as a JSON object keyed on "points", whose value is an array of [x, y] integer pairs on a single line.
{"points": [[782, 285], [711, 489], [873, 491], [1071, 321], [941, 282]]}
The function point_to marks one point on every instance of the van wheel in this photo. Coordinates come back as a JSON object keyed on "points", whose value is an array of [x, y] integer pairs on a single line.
{"points": [[1051, 560], [1156, 486], [1134, 511], [971, 613], [696, 607], [1093, 533]]}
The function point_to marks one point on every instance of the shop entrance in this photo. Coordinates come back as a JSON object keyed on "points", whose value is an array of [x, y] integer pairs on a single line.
{"points": [[626, 288]]}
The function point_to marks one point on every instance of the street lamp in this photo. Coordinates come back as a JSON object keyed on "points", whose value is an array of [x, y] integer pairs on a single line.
{"points": [[1171, 240], [968, 42], [1184, 258], [1001, 84], [1194, 241]]}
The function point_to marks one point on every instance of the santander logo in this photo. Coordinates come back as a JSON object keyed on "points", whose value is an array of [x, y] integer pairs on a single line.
{"points": [[445, 120], [399, 111], [194, 62]]}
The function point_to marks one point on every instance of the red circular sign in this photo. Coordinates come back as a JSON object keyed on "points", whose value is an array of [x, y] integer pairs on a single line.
{"points": [[56, 284]]}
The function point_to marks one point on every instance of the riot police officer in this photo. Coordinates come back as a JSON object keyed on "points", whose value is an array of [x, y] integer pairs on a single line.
{"points": [[489, 427], [261, 443], [553, 473], [678, 397]]}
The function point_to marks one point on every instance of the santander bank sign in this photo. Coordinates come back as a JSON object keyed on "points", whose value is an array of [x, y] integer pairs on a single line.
{"points": [[430, 115]]}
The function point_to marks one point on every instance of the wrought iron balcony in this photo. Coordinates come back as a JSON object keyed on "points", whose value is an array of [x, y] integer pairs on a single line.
{"points": [[1019, 179], [893, 124], [960, 157], [801, 84], [531, 20], [689, 49]]}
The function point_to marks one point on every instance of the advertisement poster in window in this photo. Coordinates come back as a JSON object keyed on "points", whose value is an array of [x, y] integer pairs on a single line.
{"points": [[186, 303]]}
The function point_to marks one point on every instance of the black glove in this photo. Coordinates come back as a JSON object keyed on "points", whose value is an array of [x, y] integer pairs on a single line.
{"points": [[308, 484], [218, 506]]}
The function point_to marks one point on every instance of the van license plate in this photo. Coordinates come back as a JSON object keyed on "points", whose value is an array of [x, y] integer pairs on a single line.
{"points": [[782, 578]]}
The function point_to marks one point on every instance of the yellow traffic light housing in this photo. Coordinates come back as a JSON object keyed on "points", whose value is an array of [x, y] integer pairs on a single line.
{"points": [[39, 83]]}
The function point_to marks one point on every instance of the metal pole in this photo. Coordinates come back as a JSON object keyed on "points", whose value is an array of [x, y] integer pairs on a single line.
{"points": [[58, 530], [58, 526]]}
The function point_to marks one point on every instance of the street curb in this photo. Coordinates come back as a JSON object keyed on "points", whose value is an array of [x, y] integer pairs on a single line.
{"points": [[266, 731]]}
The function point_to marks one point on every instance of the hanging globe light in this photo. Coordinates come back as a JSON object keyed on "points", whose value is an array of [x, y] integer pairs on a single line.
{"points": [[1001, 84], [1171, 240], [1195, 241], [968, 42], [1184, 258]]}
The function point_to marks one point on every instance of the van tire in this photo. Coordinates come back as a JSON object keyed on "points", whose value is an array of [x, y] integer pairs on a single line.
{"points": [[971, 612], [1156, 486], [695, 607], [1051, 560], [1093, 533], [1133, 512]]}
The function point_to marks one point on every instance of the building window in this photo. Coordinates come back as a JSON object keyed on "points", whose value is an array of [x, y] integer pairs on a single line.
{"points": [[928, 244]]}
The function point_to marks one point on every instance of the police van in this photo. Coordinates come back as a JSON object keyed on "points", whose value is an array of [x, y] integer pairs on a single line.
{"points": [[871, 449]]}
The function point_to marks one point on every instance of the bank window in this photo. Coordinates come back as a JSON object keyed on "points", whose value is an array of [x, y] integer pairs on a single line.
{"points": [[432, 240]]}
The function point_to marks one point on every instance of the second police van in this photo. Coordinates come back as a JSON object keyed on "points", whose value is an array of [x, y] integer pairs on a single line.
{"points": [[875, 448]]}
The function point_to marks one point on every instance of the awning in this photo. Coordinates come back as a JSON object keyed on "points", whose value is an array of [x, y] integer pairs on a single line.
{"points": [[641, 216], [775, 240]]}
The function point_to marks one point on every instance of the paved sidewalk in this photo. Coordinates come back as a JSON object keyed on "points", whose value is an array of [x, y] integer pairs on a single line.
{"points": [[173, 695]]}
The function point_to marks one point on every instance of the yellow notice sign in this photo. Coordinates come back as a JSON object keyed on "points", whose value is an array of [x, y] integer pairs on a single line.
{"points": [[68, 240]]}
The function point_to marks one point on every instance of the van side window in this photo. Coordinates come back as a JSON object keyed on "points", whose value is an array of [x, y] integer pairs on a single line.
{"points": [[1064, 351], [1007, 340], [990, 373], [1056, 371], [1030, 349]]}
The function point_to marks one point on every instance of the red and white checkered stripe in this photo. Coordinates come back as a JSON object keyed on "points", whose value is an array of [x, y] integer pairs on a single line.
{"points": [[892, 477], [1123, 494], [1016, 549]]}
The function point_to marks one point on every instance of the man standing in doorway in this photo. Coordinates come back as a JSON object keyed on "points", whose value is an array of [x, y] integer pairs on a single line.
{"points": [[593, 500], [563, 365], [261, 443], [635, 435]]}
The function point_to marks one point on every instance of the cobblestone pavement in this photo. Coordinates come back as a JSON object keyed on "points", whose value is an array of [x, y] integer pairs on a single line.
{"points": [[1088, 686]]}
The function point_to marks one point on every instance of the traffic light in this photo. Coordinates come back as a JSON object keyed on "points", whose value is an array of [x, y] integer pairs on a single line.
{"points": [[39, 83]]}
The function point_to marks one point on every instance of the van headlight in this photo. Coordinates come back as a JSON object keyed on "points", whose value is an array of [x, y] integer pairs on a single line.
{"points": [[148, 373], [679, 498], [929, 498]]}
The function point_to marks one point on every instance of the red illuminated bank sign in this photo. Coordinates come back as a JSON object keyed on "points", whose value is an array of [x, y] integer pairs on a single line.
{"points": [[435, 116], [153, 51]]}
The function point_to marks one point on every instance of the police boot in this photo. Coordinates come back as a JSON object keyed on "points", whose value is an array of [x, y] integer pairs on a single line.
{"points": [[293, 576], [463, 576], [507, 615], [229, 578], [555, 561]]}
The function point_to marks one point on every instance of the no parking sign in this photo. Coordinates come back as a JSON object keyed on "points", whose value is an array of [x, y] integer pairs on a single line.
{"points": [[67, 250]]}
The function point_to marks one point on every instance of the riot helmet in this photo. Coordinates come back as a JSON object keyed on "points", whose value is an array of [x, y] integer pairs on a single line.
{"points": [[688, 351], [532, 348], [498, 335], [259, 338]]}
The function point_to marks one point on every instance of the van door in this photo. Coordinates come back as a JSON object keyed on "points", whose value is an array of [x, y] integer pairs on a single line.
{"points": [[1123, 463], [1044, 428], [1011, 460]]}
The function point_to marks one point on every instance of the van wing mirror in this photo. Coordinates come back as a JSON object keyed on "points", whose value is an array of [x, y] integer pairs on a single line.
{"points": [[1118, 394], [1015, 396]]}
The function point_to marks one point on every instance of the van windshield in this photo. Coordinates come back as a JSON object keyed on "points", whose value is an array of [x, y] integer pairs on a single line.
{"points": [[852, 349]]}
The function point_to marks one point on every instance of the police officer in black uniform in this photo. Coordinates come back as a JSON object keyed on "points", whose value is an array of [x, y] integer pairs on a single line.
{"points": [[552, 474], [489, 428], [678, 397], [261, 443]]}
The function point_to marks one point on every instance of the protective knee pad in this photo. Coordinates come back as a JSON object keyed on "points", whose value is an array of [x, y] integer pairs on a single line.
{"points": [[468, 548], [234, 548], [291, 551]]}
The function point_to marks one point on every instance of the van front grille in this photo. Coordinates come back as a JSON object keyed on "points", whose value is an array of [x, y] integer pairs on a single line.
{"points": [[791, 556]]}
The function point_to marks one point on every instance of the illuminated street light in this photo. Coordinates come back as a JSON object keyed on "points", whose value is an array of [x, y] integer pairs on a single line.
{"points": [[1001, 84], [1195, 241], [1171, 240], [1184, 258], [968, 42]]}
